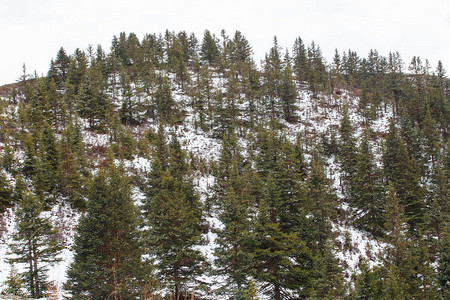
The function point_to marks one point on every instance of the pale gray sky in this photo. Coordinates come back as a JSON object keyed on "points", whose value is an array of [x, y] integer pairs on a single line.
{"points": [[32, 31]]}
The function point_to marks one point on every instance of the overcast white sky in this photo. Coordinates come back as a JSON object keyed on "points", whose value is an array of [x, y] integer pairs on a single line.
{"points": [[32, 31]]}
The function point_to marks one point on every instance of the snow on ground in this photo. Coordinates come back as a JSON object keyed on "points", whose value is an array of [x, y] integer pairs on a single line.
{"points": [[92, 139], [317, 116], [323, 114], [353, 246]]}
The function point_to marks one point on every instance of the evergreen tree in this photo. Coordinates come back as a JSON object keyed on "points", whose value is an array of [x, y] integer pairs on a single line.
{"points": [[288, 90], [251, 292], [317, 78], [439, 221], [38, 104], [209, 51], [241, 51], [7, 159], [438, 216], [272, 250], [50, 158], [107, 253], [397, 254], [174, 216], [406, 259], [301, 63], [14, 282], [6, 194], [230, 252], [278, 244], [369, 193], [347, 155], [329, 283], [402, 171], [55, 106], [234, 201], [92, 100], [431, 136], [367, 284], [165, 104], [272, 76], [62, 63], [128, 110], [35, 244], [72, 170], [77, 68], [411, 137], [321, 205], [443, 272]]}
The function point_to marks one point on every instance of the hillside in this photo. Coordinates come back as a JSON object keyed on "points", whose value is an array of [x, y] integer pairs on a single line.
{"points": [[171, 166]]}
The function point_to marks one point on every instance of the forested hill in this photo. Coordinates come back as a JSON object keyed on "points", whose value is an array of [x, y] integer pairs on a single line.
{"points": [[175, 166]]}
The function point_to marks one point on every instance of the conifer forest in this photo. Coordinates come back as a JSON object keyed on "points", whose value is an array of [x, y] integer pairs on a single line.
{"points": [[175, 166]]}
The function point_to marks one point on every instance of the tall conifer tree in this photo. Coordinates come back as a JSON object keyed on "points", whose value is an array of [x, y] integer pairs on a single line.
{"points": [[35, 244], [107, 253], [174, 216]]}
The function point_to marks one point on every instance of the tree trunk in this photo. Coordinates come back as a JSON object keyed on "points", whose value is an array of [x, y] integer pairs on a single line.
{"points": [[35, 273], [30, 261], [277, 292]]}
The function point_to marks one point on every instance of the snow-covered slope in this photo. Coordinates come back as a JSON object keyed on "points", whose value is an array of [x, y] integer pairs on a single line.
{"points": [[316, 116]]}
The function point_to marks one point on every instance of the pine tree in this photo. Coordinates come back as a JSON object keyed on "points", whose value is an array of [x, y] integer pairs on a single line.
{"points": [[408, 271], [241, 51], [14, 282], [6, 194], [431, 136], [165, 104], [56, 107], [278, 243], [443, 272], [251, 292], [72, 170], [317, 78], [174, 216], [77, 68], [35, 244], [301, 63], [397, 254], [347, 155], [62, 63], [209, 51], [272, 76], [92, 99], [367, 284], [278, 258], [425, 277], [7, 159], [402, 171], [321, 202], [437, 215], [329, 283], [128, 110], [230, 254], [394, 285], [107, 252], [369, 193], [288, 90], [411, 137], [234, 201], [38, 104], [51, 157]]}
